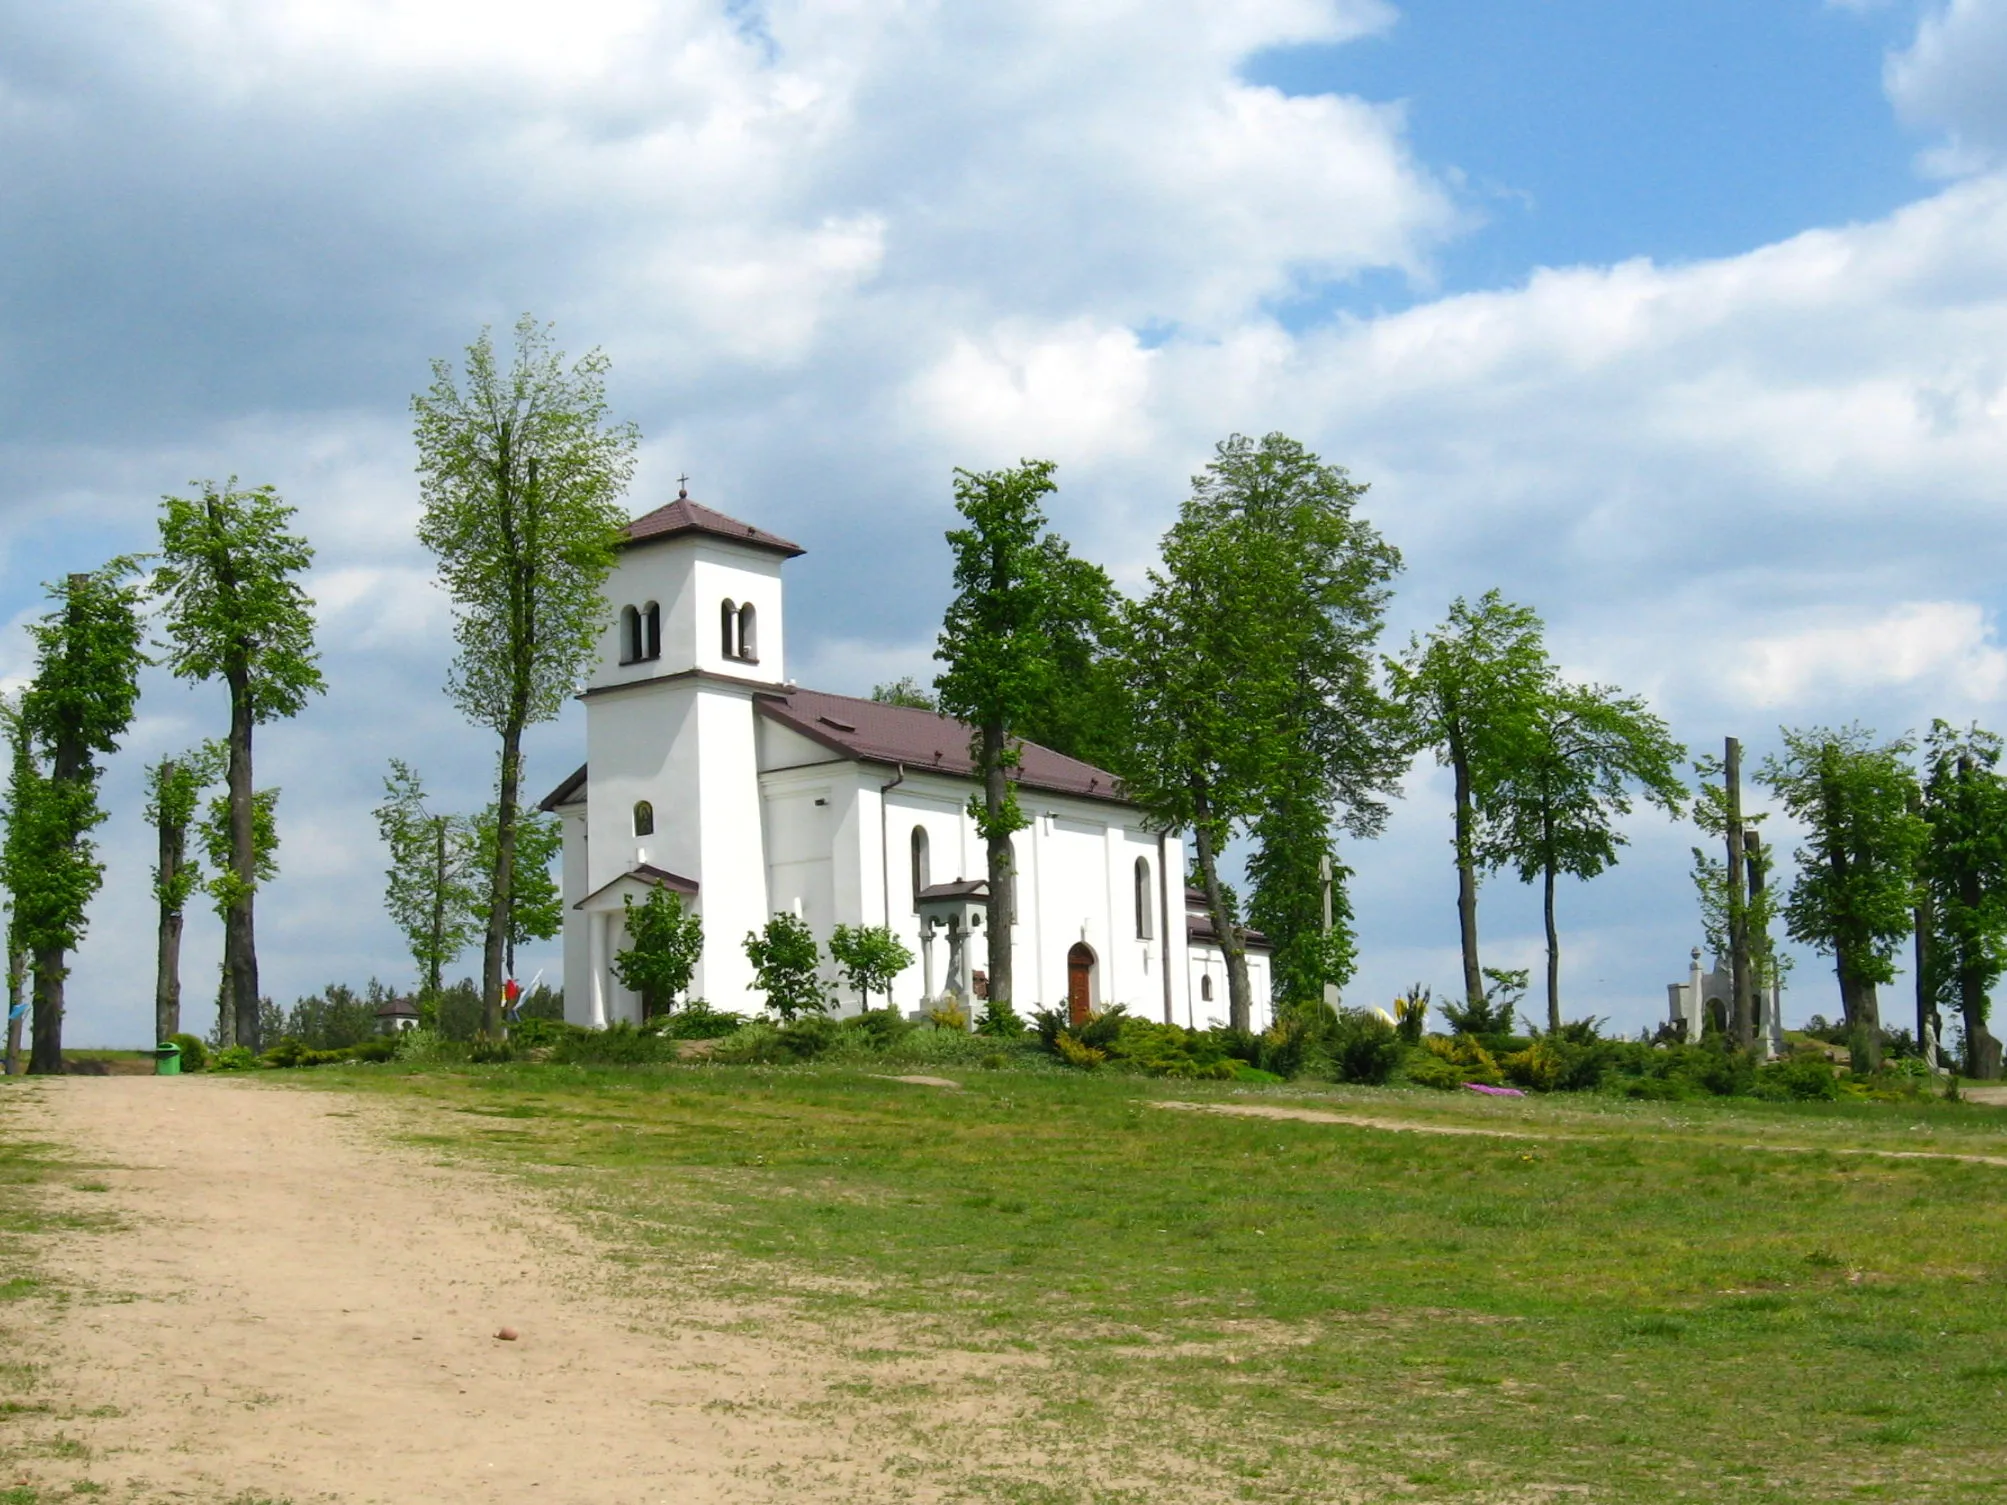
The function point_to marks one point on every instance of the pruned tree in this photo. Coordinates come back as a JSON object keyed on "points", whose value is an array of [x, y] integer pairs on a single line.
{"points": [[217, 834], [870, 957], [429, 885], [234, 610], [1857, 869], [1568, 783], [1964, 884], [785, 962], [22, 776], [173, 793], [522, 478], [664, 942], [1471, 690], [82, 698], [996, 643]]}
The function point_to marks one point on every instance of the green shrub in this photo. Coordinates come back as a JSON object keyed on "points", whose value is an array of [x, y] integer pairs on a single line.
{"points": [[1361, 1046], [1427, 1069], [194, 1051], [697, 1020], [1102, 1030], [377, 1048], [1000, 1021], [762, 1043], [485, 1050], [1076, 1052], [1806, 1077], [876, 1029], [427, 1047], [1049, 1023], [1166, 1050], [543, 1034], [233, 1058], [619, 1044], [809, 1036]]}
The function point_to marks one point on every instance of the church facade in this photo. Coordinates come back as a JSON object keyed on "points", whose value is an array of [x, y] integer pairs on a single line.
{"points": [[709, 773]]}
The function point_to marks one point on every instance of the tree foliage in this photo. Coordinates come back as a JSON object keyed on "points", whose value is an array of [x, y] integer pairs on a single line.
{"points": [[522, 478], [664, 942], [234, 610], [1964, 881], [1471, 690], [429, 887], [785, 960], [1857, 868], [1251, 690], [869, 956], [226, 886], [1567, 783], [174, 789], [536, 905], [75, 711], [906, 691]]}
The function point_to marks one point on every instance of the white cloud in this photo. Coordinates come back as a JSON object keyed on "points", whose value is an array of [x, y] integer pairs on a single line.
{"points": [[1949, 80], [1946, 647]]}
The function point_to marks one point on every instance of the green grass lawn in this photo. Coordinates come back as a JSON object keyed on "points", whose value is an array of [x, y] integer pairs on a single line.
{"points": [[1634, 1306]]}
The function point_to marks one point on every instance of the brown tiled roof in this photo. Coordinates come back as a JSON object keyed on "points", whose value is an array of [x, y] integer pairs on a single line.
{"points": [[1199, 928], [686, 516], [646, 872], [922, 740]]}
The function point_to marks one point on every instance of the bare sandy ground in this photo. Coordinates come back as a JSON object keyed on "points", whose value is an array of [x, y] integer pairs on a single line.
{"points": [[1357, 1120], [293, 1309]]}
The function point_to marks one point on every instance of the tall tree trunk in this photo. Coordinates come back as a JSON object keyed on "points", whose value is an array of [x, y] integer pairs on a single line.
{"points": [[17, 989], [1742, 1015], [1864, 1019], [433, 956], [1553, 954], [167, 964], [1000, 911], [1982, 1050], [45, 1055], [1926, 1003], [240, 944], [1466, 877], [1240, 994], [494, 953]]}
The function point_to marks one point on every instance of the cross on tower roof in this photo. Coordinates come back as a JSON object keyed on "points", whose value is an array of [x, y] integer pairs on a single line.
{"points": [[683, 488]]}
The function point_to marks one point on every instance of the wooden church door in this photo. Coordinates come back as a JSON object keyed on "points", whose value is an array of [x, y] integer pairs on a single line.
{"points": [[1079, 983]]}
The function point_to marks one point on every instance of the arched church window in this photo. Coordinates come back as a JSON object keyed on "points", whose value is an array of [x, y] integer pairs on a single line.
{"points": [[921, 875], [651, 630], [728, 629], [749, 636], [630, 635], [644, 818], [1145, 910], [1206, 988]]}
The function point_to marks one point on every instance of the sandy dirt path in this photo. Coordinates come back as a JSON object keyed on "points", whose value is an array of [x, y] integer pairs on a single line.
{"points": [[294, 1309]]}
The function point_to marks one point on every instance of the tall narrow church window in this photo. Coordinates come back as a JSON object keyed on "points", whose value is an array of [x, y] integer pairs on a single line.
{"points": [[644, 818], [651, 630], [1206, 988], [921, 876], [1145, 910], [728, 629], [749, 636], [630, 635]]}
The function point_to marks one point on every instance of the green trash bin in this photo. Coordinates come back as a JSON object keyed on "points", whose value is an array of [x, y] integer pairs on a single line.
{"points": [[167, 1059]]}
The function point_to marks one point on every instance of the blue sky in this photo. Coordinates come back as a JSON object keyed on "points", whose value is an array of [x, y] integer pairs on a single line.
{"points": [[1686, 324]]}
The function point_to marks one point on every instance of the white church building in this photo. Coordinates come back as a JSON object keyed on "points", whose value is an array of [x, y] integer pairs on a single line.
{"points": [[709, 773]]}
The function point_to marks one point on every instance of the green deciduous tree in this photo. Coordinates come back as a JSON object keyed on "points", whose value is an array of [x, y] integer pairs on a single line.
{"points": [[86, 686], [1857, 868], [1568, 782], [535, 904], [785, 959], [22, 776], [522, 479], [1250, 678], [234, 610], [430, 884], [1471, 689], [664, 942], [1964, 887], [906, 691], [217, 834], [869, 956], [997, 645], [173, 793]]}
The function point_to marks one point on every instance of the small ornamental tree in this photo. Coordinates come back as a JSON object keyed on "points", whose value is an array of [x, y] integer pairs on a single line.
{"points": [[869, 956], [428, 887], [86, 686], [173, 793], [522, 478], [1857, 869], [665, 942], [234, 610], [785, 958]]}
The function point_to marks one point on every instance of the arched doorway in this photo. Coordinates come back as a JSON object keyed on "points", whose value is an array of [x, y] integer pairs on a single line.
{"points": [[1079, 983]]}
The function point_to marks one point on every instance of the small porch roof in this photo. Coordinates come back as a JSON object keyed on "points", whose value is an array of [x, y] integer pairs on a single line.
{"points": [[642, 876]]}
